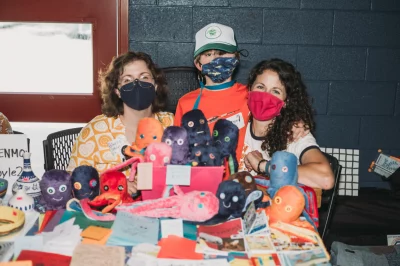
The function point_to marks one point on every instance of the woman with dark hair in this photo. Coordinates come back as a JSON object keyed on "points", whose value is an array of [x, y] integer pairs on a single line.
{"points": [[132, 88], [277, 100]]}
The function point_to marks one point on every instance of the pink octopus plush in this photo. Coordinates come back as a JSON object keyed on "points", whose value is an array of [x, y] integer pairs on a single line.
{"points": [[158, 153], [196, 206]]}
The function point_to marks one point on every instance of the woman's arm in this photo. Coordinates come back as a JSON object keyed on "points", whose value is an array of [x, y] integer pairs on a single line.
{"points": [[315, 171]]}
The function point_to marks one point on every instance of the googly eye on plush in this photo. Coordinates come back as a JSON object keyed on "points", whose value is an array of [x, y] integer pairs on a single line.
{"points": [[236, 180], [248, 179], [288, 208], [198, 153], [284, 169], [196, 144], [62, 188], [278, 200], [92, 183], [202, 194], [227, 139], [51, 190], [190, 124], [166, 159], [212, 156], [154, 137], [273, 167], [200, 205], [201, 121], [120, 187], [215, 133], [78, 185], [106, 188], [152, 157], [235, 198], [180, 141], [222, 196], [168, 141], [141, 136]]}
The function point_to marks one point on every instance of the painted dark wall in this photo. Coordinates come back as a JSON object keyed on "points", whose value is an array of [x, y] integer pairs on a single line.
{"points": [[348, 52]]}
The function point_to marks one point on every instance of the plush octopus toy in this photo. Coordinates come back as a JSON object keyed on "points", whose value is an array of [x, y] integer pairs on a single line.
{"points": [[177, 138], [197, 128], [205, 155], [287, 206], [225, 138], [114, 187], [149, 130], [192, 206], [283, 172], [158, 153]]}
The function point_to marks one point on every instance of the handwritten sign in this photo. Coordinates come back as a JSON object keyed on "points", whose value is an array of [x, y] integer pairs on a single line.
{"points": [[178, 175], [89, 255], [129, 230], [12, 149]]}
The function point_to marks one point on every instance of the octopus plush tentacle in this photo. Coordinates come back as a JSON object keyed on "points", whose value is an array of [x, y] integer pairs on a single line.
{"points": [[192, 206]]}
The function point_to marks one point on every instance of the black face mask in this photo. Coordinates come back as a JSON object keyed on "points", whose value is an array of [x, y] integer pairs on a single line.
{"points": [[138, 95]]}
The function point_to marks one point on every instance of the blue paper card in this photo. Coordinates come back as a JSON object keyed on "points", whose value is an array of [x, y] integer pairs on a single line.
{"points": [[129, 230]]}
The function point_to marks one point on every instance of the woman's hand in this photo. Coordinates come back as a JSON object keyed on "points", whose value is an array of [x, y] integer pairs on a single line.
{"points": [[299, 131], [252, 159], [132, 187]]}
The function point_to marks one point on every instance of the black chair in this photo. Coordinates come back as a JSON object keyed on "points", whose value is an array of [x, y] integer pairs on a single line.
{"points": [[29, 141], [180, 80], [328, 199], [57, 148]]}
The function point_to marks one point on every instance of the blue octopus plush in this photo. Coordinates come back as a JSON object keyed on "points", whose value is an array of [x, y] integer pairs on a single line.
{"points": [[225, 138], [197, 128], [177, 138], [283, 171], [205, 155]]}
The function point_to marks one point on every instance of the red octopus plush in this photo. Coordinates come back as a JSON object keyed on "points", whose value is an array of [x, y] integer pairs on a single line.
{"points": [[114, 187]]}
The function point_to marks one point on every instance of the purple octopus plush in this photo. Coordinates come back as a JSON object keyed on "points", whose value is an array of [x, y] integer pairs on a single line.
{"points": [[225, 138], [177, 138], [55, 186], [197, 128], [205, 155], [85, 181]]}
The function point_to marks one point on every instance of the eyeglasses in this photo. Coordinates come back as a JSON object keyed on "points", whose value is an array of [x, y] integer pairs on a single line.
{"points": [[145, 81]]}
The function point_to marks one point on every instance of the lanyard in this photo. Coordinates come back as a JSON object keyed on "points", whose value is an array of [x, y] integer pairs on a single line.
{"points": [[213, 88]]}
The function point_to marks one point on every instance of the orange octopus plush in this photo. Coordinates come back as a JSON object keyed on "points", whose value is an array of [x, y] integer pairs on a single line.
{"points": [[287, 205], [149, 130]]}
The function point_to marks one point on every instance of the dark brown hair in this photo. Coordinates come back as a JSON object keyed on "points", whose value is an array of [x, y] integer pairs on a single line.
{"points": [[297, 108], [112, 105]]}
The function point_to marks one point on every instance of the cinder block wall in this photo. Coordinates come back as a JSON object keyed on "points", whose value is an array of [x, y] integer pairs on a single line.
{"points": [[348, 52]]}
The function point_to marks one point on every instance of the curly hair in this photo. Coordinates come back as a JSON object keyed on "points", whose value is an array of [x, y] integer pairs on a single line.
{"points": [[297, 105], [112, 105]]}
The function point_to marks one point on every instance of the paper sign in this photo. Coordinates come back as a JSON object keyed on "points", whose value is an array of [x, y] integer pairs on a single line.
{"points": [[178, 175], [145, 176], [12, 149], [171, 227], [393, 240]]}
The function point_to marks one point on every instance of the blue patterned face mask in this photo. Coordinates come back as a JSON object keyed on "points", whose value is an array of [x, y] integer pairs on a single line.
{"points": [[220, 69]]}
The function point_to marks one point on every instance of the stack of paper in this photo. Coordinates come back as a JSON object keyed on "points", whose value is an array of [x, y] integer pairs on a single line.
{"points": [[129, 230], [63, 239]]}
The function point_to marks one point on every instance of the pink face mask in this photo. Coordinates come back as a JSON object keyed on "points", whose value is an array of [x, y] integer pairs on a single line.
{"points": [[264, 106]]}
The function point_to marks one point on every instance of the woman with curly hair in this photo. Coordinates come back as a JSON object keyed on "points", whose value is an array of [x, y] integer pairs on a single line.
{"points": [[278, 100], [132, 88]]}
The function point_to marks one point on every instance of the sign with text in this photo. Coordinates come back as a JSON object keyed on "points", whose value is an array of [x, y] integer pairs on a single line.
{"points": [[12, 149]]}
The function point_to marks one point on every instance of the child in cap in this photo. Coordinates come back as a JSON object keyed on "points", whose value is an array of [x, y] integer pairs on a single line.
{"points": [[216, 56]]}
